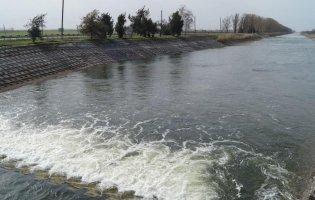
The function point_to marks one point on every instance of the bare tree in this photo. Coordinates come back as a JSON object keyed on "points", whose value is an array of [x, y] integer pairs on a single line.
{"points": [[187, 17], [247, 23], [235, 21], [251, 23], [226, 24]]}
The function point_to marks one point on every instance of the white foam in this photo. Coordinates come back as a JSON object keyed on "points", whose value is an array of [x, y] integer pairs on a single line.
{"points": [[238, 187], [148, 168], [272, 193]]}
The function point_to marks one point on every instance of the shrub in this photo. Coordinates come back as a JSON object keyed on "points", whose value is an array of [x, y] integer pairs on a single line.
{"points": [[141, 24], [120, 25], [176, 24], [106, 25], [36, 26], [97, 26], [89, 25]]}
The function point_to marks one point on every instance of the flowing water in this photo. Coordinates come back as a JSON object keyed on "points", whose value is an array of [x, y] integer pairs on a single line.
{"points": [[231, 123]]}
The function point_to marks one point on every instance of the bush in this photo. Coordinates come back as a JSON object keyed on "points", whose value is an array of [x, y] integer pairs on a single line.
{"points": [[120, 25], [89, 24], [106, 25], [35, 27], [97, 26], [151, 27], [166, 29], [141, 24], [176, 24]]}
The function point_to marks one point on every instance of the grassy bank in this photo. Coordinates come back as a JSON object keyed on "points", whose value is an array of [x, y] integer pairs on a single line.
{"points": [[72, 36], [239, 37], [65, 40], [220, 37], [28, 42]]}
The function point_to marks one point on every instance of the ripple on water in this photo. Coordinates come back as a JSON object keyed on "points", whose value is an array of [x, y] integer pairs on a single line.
{"points": [[149, 168]]}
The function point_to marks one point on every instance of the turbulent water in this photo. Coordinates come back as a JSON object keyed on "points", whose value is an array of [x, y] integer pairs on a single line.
{"points": [[231, 123]]}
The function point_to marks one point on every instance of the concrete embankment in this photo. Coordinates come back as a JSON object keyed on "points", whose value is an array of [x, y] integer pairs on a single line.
{"points": [[19, 65]]}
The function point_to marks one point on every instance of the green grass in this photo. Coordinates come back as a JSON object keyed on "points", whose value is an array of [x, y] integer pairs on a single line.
{"points": [[55, 39], [69, 38], [15, 33], [28, 42], [15, 42]]}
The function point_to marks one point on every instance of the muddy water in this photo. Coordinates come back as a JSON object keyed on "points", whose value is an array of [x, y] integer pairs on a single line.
{"points": [[231, 123]]}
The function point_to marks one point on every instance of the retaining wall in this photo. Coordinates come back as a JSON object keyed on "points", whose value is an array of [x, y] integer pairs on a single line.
{"points": [[19, 65]]}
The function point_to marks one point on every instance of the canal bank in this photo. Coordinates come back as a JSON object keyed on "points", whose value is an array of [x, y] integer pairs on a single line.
{"points": [[20, 65]]}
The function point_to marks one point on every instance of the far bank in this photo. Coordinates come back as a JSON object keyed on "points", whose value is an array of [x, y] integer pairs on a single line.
{"points": [[309, 35]]}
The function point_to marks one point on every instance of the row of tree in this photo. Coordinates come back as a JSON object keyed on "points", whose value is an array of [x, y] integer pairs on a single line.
{"points": [[310, 32], [251, 23], [100, 25]]}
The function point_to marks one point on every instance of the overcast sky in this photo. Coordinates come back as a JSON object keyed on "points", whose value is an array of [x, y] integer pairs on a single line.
{"points": [[297, 14]]}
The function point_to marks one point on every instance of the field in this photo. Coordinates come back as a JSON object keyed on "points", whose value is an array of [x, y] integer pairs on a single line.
{"points": [[20, 37], [23, 33]]}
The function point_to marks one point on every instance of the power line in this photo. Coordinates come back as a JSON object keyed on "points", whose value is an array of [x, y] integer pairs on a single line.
{"points": [[195, 24]]}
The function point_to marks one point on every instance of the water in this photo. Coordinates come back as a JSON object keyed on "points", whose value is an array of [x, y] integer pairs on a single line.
{"points": [[231, 123]]}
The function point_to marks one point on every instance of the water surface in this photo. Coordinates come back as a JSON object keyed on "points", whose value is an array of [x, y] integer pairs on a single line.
{"points": [[231, 123]]}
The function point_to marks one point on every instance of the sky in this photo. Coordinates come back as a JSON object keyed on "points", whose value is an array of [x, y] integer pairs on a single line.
{"points": [[296, 14]]}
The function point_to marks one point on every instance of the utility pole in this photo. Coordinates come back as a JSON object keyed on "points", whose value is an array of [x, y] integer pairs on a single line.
{"points": [[5, 33], [195, 23], [220, 24], [161, 24], [63, 6]]}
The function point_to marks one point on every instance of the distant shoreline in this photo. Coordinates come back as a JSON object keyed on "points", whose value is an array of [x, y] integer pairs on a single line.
{"points": [[309, 35]]}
